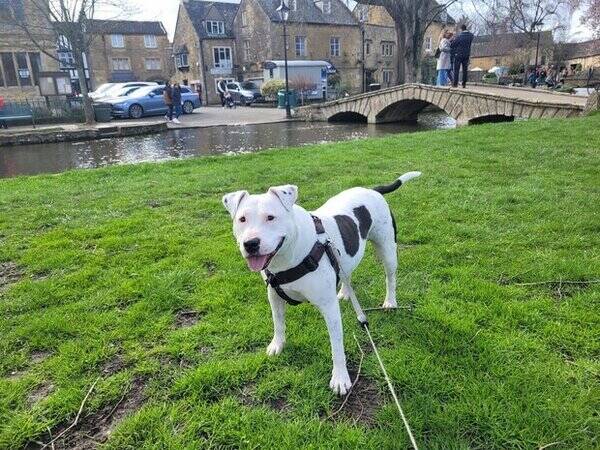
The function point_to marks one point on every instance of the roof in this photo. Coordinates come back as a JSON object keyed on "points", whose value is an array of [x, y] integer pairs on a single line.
{"points": [[126, 27], [199, 10], [308, 12], [505, 43], [573, 50]]}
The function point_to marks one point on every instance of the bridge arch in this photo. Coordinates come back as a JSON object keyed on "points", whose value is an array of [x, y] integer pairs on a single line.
{"points": [[404, 110], [348, 116]]}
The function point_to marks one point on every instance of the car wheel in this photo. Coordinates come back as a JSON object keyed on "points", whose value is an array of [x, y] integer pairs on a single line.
{"points": [[188, 107], [135, 111]]}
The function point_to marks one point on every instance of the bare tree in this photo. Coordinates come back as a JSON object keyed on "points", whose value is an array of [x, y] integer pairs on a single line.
{"points": [[69, 22], [304, 85], [412, 18], [591, 15]]}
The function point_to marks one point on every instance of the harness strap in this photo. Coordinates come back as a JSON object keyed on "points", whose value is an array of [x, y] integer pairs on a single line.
{"points": [[309, 264]]}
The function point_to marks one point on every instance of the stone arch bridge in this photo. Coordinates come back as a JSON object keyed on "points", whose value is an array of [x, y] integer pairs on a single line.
{"points": [[475, 104]]}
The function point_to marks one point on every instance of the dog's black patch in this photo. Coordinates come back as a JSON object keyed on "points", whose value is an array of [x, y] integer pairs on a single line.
{"points": [[394, 225], [364, 220], [349, 233]]}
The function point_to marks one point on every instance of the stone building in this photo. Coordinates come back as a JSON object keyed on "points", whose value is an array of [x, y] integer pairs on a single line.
{"points": [[511, 49], [580, 55], [317, 30], [124, 50], [381, 55], [20, 59], [204, 45]]}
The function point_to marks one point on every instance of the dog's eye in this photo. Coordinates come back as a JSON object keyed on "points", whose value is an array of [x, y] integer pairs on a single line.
{"points": [[242, 219], [270, 218]]}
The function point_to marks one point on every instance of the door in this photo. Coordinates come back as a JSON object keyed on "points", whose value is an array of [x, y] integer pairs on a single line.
{"points": [[155, 104]]}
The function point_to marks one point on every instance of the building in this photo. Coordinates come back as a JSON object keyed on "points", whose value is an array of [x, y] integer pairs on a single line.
{"points": [[381, 55], [204, 45], [121, 50], [511, 50], [317, 30], [20, 59], [580, 55]]}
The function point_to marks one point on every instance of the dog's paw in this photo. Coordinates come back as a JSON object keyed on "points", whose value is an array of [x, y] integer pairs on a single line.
{"points": [[344, 293], [389, 304], [275, 347], [340, 382]]}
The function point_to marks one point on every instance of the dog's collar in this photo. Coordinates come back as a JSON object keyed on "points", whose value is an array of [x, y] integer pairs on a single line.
{"points": [[309, 264]]}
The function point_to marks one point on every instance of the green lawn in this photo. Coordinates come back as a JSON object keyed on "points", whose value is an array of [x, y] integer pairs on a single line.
{"points": [[129, 276]]}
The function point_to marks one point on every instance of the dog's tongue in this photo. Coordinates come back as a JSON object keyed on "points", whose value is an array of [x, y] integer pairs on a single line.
{"points": [[256, 263]]}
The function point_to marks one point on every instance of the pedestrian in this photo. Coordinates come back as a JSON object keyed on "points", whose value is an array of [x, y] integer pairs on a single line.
{"points": [[168, 98], [177, 102], [222, 88], [461, 45], [444, 62]]}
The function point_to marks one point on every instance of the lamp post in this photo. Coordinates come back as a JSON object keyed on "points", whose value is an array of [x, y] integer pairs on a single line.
{"points": [[284, 13], [362, 59], [539, 24]]}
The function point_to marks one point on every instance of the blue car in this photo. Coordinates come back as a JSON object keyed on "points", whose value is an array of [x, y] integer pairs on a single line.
{"points": [[148, 101]]}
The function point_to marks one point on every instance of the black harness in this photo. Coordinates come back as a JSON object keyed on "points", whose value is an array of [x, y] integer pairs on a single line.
{"points": [[308, 265]]}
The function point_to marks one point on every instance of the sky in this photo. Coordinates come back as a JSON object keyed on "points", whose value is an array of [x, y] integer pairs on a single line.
{"points": [[166, 12]]}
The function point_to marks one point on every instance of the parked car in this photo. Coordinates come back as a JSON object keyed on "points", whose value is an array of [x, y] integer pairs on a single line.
{"points": [[149, 101], [116, 88], [245, 92], [99, 92]]}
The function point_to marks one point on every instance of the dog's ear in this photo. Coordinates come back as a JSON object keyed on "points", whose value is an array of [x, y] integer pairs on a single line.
{"points": [[287, 195], [232, 201]]}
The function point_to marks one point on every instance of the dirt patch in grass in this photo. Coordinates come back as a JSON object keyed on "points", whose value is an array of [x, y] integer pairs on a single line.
{"points": [[362, 404], [95, 428], [113, 365], [210, 267], [9, 273], [39, 393], [247, 397], [187, 318], [39, 356], [558, 289]]}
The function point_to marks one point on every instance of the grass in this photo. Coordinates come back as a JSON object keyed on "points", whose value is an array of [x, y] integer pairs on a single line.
{"points": [[130, 275]]}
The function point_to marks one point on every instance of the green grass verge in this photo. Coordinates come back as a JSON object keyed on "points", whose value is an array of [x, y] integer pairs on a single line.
{"points": [[99, 264]]}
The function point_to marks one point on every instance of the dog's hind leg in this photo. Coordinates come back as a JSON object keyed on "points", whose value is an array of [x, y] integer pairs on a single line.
{"points": [[278, 312], [386, 251], [344, 293]]}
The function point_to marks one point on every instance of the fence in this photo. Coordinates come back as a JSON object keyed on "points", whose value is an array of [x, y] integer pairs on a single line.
{"points": [[51, 110]]}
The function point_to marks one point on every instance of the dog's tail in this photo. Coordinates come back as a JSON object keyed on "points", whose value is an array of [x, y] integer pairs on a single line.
{"points": [[396, 184]]}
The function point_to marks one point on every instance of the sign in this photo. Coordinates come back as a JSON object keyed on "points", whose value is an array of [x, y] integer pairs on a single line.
{"points": [[24, 73]]}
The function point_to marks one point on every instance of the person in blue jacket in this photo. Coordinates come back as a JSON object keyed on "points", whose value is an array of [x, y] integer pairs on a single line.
{"points": [[461, 48]]}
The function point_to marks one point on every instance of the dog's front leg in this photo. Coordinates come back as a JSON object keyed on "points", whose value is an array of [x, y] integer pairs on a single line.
{"points": [[340, 379], [278, 312]]}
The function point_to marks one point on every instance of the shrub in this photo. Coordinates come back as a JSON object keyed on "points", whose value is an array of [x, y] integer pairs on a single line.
{"points": [[271, 87], [490, 78]]}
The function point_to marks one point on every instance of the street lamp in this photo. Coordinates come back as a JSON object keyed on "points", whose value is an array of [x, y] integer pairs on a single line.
{"points": [[539, 24], [284, 14], [363, 78]]}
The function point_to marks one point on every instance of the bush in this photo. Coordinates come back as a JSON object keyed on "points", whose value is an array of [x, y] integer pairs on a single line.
{"points": [[490, 78], [271, 87]]}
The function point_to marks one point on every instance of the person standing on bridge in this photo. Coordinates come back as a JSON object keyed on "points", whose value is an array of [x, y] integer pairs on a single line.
{"points": [[461, 46], [444, 62]]}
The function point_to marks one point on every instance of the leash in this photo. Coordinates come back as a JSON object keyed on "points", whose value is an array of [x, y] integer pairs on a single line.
{"points": [[362, 319]]}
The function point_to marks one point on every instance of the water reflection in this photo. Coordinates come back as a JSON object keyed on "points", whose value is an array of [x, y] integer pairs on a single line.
{"points": [[53, 158]]}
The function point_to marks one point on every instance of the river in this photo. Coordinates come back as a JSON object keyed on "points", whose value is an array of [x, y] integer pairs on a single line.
{"points": [[184, 143]]}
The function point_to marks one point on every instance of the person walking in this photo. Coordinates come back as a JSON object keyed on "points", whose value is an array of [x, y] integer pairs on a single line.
{"points": [[177, 102], [222, 88], [168, 98], [444, 62], [461, 45]]}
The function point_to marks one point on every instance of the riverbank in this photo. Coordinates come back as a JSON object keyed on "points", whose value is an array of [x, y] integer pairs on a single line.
{"points": [[128, 277], [208, 116]]}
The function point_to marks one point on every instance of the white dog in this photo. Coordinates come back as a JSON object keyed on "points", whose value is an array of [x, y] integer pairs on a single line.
{"points": [[293, 249]]}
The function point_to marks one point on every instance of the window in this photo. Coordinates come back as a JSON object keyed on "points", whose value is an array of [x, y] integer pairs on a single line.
{"points": [[387, 49], [387, 76], [23, 68], [150, 41], [120, 64], [222, 56], [427, 43], [300, 46], [215, 27], [10, 74], [247, 51], [368, 47], [327, 6], [66, 60], [116, 40], [334, 46], [153, 64], [181, 60], [244, 19]]}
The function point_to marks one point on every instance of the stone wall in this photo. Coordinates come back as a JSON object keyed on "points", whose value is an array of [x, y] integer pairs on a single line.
{"points": [[185, 34]]}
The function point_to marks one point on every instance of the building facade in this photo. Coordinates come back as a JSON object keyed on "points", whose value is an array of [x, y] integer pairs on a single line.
{"points": [[317, 30], [580, 55], [20, 59], [204, 46]]}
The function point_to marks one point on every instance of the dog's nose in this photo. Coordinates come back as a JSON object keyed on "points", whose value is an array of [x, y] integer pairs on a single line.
{"points": [[252, 246]]}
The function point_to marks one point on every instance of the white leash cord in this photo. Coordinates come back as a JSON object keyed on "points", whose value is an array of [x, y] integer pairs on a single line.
{"points": [[391, 386], [362, 319]]}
